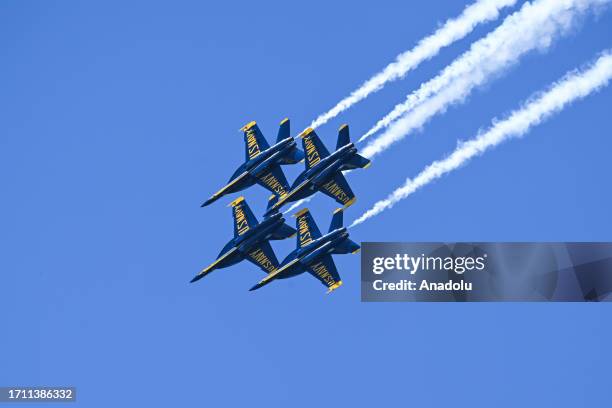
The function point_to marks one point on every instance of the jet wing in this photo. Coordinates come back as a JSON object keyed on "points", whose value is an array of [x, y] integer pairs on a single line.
{"points": [[339, 189], [244, 219], [325, 271], [273, 180], [313, 148], [263, 257], [254, 141], [306, 227]]}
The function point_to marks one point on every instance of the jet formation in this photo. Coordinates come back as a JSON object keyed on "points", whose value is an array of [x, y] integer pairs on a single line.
{"points": [[323, 172]]}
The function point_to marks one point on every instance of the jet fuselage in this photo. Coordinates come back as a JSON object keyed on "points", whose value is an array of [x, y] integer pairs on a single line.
{"points": [[307, 183], [328, 166], [237, 249], [246, 175], [262, 231], [274, 155], [298, 260]]}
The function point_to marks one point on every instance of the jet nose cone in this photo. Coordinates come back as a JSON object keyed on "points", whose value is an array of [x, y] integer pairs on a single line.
{"points": [[207, 202], [196, 278]]}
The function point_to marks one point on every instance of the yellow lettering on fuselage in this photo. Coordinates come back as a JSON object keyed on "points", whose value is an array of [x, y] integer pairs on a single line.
{"points": [[321, 270], [311, 152], [252, 145], [262, 259], [242, 225], [305, 236]]}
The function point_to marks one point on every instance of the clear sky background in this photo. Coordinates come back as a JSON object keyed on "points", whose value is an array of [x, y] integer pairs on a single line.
{"points": [[117, 119]]}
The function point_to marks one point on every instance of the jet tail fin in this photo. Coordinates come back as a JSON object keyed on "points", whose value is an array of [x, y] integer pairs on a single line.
{"points": [[343, 136], [283, 232], [244, 219], [337, 220], [284, 131], [269, 209], [347, 247], [294, 156], [357, 162]]}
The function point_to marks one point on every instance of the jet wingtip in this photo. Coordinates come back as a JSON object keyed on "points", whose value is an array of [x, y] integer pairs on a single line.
{"points": [[247, 126], [306, 132], [301, 212], [334, 287], [236, 201], [349, 203]]}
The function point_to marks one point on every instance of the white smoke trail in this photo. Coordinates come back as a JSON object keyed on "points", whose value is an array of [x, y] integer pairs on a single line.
{"points": [[573, 86], [297, 204], [455, 29], [534, 26]]}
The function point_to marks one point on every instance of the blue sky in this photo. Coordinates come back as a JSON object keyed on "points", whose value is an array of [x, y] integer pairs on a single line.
{"points": [[119, 119]]}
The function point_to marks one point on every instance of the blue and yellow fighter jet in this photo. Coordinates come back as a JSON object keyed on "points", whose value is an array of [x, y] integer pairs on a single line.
{"points": [[251, 240], [262, 162], [313, 253], [324, 171]]}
